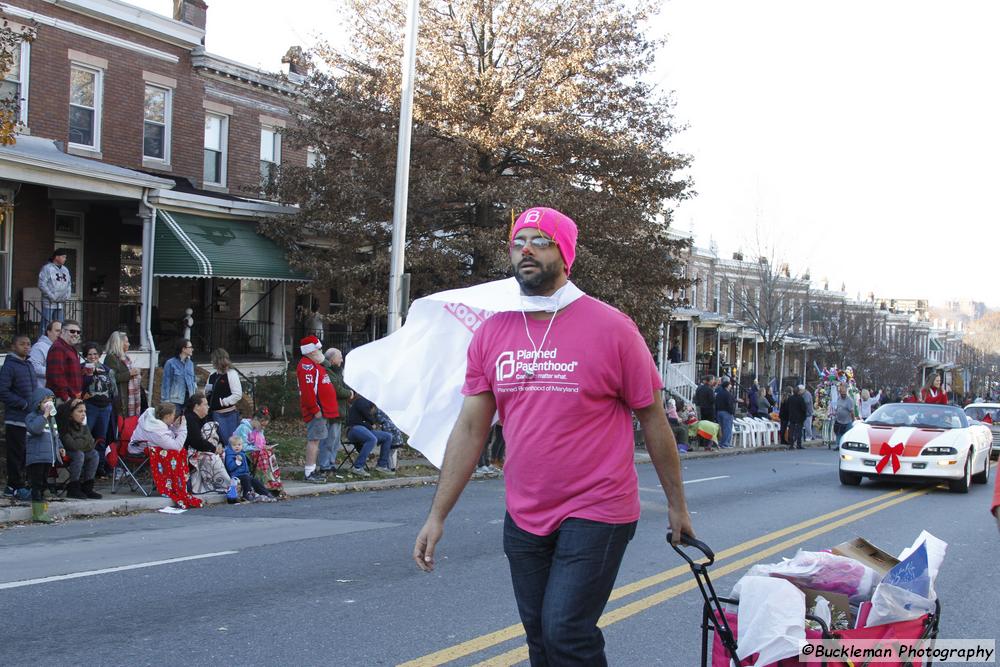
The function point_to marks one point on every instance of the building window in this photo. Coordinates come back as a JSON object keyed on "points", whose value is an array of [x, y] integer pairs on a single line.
{"points": [[156, 124], [216, 135], [270, 154], [732, 298], [254, 301], [6, 215], [717, 299], [313, 157], [14, 88], [85, 90]]}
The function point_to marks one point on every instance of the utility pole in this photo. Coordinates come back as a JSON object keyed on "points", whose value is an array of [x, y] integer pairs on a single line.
{"points": [[395, 316]]}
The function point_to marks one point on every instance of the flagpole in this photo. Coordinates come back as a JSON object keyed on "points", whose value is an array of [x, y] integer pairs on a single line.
{"points": [[395, 315]]}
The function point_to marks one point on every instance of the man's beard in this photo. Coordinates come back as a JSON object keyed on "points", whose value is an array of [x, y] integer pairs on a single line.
{"points": [[543, 280]]}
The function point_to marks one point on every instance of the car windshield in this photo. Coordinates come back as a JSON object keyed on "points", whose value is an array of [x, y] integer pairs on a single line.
{"points": [[920, 415], [986, 414]]}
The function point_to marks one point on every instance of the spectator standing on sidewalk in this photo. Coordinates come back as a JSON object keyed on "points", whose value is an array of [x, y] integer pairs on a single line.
{"points": [[704, 399], [331, 445], [40, 351], [54, 282], [796, 417], [129, 378], [17, 384], [725, 410], [41, 449], [807, 427], [224, 391], [179, 383], [62, 364], [100, 391], [317, 400], [572, 491]]}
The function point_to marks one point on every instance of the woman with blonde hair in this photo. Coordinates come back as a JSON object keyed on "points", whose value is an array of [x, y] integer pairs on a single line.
{"points": [[224, 392], [127, 376]]}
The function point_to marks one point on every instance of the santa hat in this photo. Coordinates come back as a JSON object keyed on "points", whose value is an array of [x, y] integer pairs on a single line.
{"points": [[310, 344]]}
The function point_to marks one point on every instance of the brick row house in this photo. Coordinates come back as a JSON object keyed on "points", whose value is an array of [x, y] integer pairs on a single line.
{"points": [[143, 155], [714, 336]]}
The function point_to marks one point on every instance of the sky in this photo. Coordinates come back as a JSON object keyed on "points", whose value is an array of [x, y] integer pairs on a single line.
{"points": [[860, 140]]}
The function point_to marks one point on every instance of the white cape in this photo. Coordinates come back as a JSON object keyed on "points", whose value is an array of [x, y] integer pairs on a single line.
{"points": [[416, 374]]}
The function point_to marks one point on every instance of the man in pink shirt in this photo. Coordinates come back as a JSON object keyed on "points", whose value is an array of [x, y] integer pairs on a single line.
{"points": [[565, 379]]}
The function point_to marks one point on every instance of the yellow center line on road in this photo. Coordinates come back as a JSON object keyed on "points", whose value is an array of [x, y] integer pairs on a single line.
{"points": [[520, 654], [510, 632]]}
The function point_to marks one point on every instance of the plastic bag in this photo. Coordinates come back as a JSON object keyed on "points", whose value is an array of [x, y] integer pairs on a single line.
{"points": [[936, 549], [821, 610], [904, 592], [823, 571], [770, 619]]}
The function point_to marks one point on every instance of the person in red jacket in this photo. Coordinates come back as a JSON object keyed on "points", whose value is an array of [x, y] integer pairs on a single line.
{"points": [[63, 373], [318, 399], [933, 393]]}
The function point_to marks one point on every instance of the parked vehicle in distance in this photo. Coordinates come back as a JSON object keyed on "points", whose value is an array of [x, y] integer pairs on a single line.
{"points": [[988, 414]]}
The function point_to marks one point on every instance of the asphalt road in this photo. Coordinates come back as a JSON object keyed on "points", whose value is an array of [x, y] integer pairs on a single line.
{"points": [[329, 580]]}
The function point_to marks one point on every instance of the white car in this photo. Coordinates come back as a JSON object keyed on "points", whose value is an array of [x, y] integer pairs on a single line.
{"points": [[917, 440], [989, 415]]}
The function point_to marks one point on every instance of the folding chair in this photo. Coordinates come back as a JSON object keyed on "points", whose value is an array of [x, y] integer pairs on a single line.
{"points": [[351, 450], [126, 464]]}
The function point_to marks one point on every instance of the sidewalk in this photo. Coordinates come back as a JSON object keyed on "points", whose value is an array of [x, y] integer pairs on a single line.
{"points": [[128, 502]]}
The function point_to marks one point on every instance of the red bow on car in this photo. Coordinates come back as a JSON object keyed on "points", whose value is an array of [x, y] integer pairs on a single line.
{"points": [[889, 454]]}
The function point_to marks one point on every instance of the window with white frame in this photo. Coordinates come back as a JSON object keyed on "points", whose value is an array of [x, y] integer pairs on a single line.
{"points": [[253, 300], [313, 157], [717, 298], [6, 214], [85, 92], [270, 153], [731, 294], [216, 140], [156, 123], [694, 291], [13, 87]]}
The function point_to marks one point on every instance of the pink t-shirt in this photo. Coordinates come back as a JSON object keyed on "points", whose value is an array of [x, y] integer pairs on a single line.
{"points": [[568, 428]]}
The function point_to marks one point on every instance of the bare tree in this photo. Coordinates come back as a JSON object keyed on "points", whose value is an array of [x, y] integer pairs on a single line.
{"points": [[768, 298]]}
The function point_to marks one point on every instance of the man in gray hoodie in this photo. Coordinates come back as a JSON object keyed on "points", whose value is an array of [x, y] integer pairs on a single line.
{"points": [[54, 283]]}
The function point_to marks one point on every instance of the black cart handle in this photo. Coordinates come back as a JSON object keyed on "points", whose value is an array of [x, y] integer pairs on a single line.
{"points": [[688, 541]]}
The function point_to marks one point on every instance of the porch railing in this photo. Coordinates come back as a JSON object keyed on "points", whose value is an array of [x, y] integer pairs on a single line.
{"points": [[98, 318], [680, 379], [342, 340], [243, 337]]}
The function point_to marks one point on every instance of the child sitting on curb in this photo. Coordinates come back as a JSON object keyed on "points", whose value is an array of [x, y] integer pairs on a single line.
{"points": [[261, 451], [236, 465]]}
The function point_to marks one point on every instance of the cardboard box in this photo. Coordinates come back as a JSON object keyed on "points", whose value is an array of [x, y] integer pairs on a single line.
{"points": [[867, 553]]}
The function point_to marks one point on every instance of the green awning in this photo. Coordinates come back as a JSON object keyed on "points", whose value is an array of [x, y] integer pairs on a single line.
{"points": [[936, 345], [195, 246]]}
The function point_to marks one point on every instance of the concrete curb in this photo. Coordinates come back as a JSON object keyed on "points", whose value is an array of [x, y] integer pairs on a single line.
{"points": [[124, 504]]}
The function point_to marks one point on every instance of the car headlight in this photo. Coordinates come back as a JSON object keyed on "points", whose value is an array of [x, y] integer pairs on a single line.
{"points": [[938, 451], [854, 446]]}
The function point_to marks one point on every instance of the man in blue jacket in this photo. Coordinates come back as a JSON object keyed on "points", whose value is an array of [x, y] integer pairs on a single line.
{"points": [[17, 382]]}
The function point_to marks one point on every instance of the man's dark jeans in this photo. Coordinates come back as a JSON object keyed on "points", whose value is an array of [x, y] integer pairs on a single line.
{"points": [[562, 583], [795, 434]]}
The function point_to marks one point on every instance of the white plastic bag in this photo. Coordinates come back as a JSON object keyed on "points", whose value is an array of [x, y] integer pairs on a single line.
{"points": [[821, 610], [905, 592], [770, 620], [936, 549], [823, 571]]}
